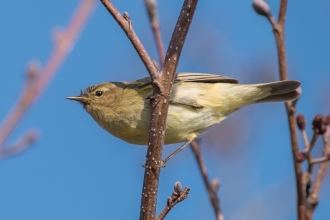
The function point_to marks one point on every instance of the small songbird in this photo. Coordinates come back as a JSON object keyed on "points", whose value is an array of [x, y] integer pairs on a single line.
{"points": [[198, 101]]}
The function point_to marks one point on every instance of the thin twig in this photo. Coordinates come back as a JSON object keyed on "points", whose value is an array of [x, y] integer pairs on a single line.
{"points": [[126, 24], [63, 46], [313, 141], [151, 6], [176, 197], [210, 189], [311, 145], [305, 139], [319, 160], [21, 145], [291, 110], [313, 198]]}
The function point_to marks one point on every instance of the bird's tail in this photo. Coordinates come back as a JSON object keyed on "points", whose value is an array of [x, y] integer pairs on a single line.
{"points": [[281, 91]]}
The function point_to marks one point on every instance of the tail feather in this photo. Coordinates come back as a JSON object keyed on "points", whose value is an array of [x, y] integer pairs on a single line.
{"points": [[293, 95], [281, 91]]}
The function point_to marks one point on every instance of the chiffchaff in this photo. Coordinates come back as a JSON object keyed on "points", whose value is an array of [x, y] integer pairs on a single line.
{"points": [[198, 101]]}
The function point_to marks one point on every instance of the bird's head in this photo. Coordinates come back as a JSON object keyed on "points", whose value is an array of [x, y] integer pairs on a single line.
{"points": [[98, 97]]}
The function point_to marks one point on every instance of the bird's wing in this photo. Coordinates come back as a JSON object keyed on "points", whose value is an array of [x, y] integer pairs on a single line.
{"points": [[187, 77], [203, 77]]}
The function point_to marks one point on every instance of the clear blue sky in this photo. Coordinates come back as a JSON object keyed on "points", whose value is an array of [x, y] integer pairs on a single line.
{"points": [[78, 171]]}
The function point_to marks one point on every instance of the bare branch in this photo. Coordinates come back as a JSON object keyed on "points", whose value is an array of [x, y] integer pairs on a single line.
{"points": [[319, 160], [309, 149], [21, 145], [177, 196], [126, 24], [162, 87], [209, 186], [151, 6], [282, 14], [152, 11], [63, 46], [305, 139], [278, 29], [313, 198]]}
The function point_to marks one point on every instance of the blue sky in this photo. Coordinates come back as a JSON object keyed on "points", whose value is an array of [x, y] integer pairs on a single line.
{"points": [[78, 171]]}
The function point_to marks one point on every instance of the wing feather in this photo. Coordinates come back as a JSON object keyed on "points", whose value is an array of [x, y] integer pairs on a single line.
{"points": [[187, 77], [204, 77]]}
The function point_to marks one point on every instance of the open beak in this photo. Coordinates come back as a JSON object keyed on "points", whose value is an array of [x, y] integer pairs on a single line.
{"points": [[80, 99]]}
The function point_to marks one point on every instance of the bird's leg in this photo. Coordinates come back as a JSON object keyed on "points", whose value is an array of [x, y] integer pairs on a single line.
{"points": [[163, 162]]}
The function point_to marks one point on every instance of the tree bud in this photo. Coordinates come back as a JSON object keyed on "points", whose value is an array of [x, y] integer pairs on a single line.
{"points": [[301, 121], [261, 7], [177, 187], [318, 124], [301, 156]]}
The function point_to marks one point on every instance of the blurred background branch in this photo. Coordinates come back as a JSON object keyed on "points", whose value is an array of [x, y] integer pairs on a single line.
{"points": [[152, 10], [21, 145], [38, 80]]}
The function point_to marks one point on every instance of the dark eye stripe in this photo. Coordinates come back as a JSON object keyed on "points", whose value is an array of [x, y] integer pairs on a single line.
{"points": [[98, 93]]}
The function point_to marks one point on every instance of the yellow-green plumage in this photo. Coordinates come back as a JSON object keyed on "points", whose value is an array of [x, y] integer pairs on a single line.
{"points": [[198, 101]]}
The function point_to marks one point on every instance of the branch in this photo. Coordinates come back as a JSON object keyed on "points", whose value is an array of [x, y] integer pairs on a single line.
{"points": [[177, 196], [152, 11], [21, 145], [162, 85], [160, 103], [319, 160], [313, 198], [262, 8], [282, 14], [63, 45], [210, 189], [126, 24], [309, 149], [151, 6]]}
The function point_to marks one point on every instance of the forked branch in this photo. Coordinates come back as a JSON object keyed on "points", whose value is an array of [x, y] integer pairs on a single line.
{"points": [[177, 196], [162, 85], [151, 6], [125, 22]]}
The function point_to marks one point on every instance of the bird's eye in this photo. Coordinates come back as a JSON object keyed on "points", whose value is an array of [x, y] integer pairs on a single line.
{"points": [[98, 93]]}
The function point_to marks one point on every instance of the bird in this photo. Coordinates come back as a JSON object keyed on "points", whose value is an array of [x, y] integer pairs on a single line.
{"points": [[197, 102]]}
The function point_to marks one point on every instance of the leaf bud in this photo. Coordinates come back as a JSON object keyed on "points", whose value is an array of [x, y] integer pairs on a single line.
{"points": [[177, 187], [261, 7], [301, 156], [301, 121], [318, 124]]}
